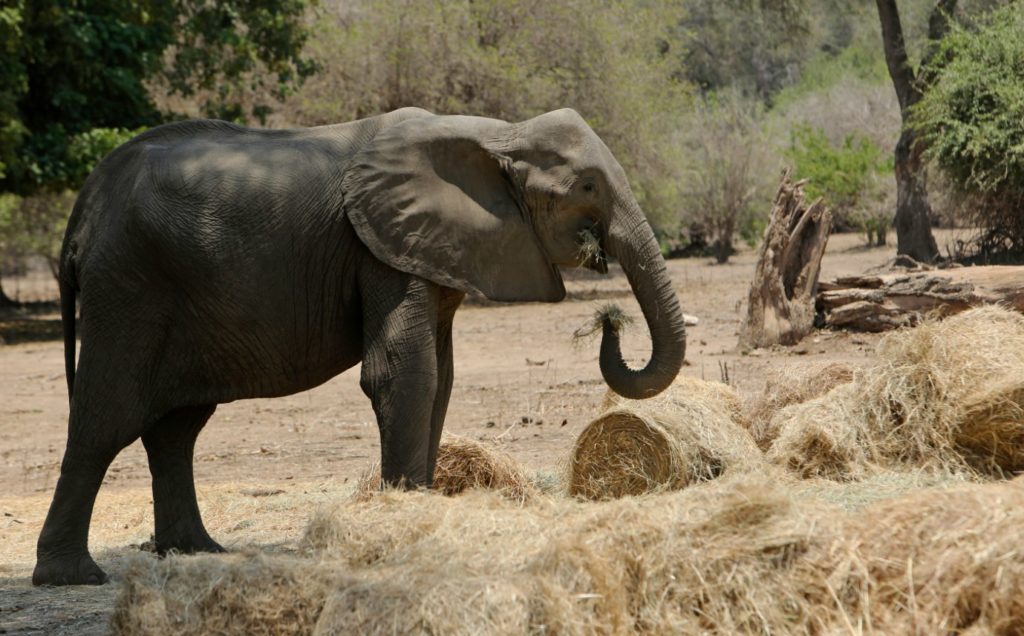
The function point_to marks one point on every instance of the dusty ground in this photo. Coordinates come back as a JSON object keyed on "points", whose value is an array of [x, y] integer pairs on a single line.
{"points": [[263, 465]]}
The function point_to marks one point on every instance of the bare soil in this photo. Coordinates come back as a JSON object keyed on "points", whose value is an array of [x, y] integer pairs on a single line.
{"points": [[263, 466]]}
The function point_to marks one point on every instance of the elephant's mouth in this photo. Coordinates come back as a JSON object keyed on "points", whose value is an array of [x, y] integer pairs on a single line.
{"points": [[591, 254]]}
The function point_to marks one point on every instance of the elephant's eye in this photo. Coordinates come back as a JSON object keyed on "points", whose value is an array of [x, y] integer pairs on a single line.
{"points": [[588, 187]]}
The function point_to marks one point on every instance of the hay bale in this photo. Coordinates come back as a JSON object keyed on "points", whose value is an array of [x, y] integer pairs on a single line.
{"points": [[919, 404], [464, 464], [991, 432], [787, 386], [684, 390], [936, 563], [818, 439], [666, 442]]}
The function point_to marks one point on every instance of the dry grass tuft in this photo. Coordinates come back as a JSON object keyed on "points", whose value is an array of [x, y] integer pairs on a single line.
{"points": [[464, 464], [687, 434], [746, 554], [610, 313], [791, 385], [937, 397]]}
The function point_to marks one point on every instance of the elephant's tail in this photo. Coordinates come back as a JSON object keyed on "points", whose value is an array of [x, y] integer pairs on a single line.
{"points": [[67, 320]]}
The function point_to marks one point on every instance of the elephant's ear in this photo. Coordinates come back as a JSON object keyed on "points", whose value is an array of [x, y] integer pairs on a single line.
{"points": [[431, 196]]}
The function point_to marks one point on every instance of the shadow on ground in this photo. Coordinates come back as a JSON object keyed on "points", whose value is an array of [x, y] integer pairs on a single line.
{"points": [[30, 322]]}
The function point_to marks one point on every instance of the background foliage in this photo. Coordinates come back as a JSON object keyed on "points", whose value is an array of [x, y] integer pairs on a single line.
{"points": [[702, 101], [973, 122]]}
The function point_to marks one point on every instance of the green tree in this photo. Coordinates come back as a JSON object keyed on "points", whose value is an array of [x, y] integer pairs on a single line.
{"points": [[754, 45], [77, 78], [70, 66], [972, 120]]}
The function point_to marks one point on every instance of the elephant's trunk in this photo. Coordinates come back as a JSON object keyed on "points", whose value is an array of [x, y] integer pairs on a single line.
{"points": [[631, 240]]}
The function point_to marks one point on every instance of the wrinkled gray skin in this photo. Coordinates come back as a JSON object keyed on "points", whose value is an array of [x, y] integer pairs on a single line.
{"points": [[215, 263]]}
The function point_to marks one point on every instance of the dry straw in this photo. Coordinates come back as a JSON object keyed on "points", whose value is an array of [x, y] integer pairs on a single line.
{"points": [[687, 434], [791, 385], [464, 464], [940, 395], [740, 555]]}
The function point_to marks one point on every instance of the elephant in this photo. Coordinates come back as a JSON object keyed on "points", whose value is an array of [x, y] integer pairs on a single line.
{"points": [[213, 262]]}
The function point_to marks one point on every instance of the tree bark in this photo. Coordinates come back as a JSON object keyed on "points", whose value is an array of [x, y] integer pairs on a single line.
{"points": [[913, 212], [780, 305], [5, 300]]}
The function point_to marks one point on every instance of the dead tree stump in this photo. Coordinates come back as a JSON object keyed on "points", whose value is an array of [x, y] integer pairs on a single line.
{"points": [[780, 306]]}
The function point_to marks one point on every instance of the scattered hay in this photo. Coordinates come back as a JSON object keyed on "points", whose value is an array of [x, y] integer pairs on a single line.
{"points": [[687, 434], [791, 385], [937, 397], [741, 555], [233, 594], [482, 564], [464, 464]]}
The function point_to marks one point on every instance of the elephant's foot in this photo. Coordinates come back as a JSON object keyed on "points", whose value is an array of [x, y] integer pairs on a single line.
{"points": [[77, 569], [188, 544]]}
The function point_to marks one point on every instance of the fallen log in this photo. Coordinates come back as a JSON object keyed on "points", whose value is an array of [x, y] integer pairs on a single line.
{"points": [[887, 301]]}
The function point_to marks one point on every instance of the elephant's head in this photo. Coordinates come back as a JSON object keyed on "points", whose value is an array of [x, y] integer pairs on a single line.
{"points": [[483, 205]]}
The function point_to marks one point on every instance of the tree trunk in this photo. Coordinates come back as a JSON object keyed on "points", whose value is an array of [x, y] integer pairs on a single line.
{"points": [[913, 212], [5, 300], [913, 220], [780, 307]]}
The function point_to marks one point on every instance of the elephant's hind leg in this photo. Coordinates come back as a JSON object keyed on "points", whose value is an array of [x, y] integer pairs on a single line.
{"points": [[62, 554], [170, 443]]}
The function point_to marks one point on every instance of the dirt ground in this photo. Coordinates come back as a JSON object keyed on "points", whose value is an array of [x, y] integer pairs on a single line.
{"points": [[262, 466]]}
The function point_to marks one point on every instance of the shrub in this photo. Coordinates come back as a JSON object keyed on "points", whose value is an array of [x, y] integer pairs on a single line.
{"points": [[848, 176], [730, 172], [972, 119]]}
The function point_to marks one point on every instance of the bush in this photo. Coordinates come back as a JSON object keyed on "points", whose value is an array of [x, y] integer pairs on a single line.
{"points": [[972, 119], [730, 172], [848, 176]]}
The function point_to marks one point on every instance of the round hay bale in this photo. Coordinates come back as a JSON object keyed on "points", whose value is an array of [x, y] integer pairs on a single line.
{"points": [[991, 432], [787, 386], [913, 398], [640, 447], [683, 390], [463, 464]]}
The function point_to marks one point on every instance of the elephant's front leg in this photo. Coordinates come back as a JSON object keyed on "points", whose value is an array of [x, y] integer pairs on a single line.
{"points": [[400, 374], [449, 302]]}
